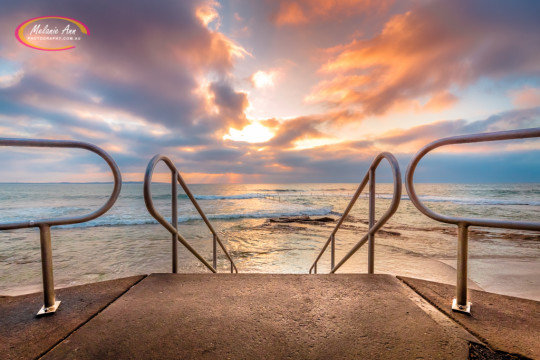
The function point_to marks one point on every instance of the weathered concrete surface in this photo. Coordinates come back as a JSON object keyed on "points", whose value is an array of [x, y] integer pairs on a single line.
{"points": [[255, 316], [24, 336], [503, 322]]}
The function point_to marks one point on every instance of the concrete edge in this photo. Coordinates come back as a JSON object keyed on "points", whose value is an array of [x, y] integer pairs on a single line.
{"points": [[436, 314], [419, 292], [92, 317], [498, 354]]}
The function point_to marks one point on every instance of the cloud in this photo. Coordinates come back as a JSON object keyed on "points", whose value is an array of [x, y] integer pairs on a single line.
{"points": [[262, 79], [168, 86], [253, 133], [9, 80], [412, 139], [526, 97], [429, 51], [295, 12], [308, 128], [132, 86], [441, 100], [208, 13], [231, 104]]}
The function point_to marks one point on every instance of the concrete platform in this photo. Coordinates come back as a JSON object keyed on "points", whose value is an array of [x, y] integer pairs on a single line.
{"points": [[505, 323], [251, 316], [243, 316], [24, 336]]}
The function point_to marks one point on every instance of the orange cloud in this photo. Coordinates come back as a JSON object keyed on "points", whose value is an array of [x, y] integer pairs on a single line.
{"points": [[427, 52], [226, 178], [305, 11], [310, 131], [440, 101], [207, 13], [526, 97], [290, 13]]}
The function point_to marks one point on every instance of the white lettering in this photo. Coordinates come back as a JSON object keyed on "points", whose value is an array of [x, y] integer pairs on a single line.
{"points": [[45, 31], [68, 31]]}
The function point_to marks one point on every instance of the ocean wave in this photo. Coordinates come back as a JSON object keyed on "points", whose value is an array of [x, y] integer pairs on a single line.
{"points": [[461, 201], [282, 190], [112, 221], [476, 201], [229, 197], [208, 197]]}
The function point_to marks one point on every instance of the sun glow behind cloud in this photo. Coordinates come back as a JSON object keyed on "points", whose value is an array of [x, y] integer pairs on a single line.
{"points": [[262, 79], [252, 133], [313, 143]]}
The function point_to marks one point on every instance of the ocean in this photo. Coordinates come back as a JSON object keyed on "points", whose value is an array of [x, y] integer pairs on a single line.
{"points": [[128, 241]]}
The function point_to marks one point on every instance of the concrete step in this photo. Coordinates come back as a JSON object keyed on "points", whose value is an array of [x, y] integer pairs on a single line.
{"points": [[254, 316], [244, 316]]}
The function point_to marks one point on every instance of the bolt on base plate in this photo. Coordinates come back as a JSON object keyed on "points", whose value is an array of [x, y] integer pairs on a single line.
{"points": [[461, 308], [48, 310]]}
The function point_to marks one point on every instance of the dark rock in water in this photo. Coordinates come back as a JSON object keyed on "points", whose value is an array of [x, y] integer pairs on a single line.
{"points": [[324, 219], [301, 219], [393, 233], [285, 219]]}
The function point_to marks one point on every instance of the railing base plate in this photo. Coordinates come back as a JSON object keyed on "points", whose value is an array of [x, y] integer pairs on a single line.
{"points": [[466, 309], [48, 310]]}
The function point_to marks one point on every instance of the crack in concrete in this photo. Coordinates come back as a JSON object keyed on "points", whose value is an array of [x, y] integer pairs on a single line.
{"points": [[90, 318]]}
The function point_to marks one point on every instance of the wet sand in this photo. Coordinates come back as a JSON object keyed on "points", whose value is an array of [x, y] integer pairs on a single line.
{"points": [[514, 277], [498, 260]]}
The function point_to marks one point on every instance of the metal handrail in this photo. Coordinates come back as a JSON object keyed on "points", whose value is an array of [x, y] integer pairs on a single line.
{"points": [[173, 228], [50, 304], [373, 226], [460, 303]]}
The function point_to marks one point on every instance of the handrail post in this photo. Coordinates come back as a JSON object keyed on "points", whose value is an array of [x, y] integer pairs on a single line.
{"points": [[174, 215], [373, 225], [333, 252], [173, 228], [49, 302], [371, 236], [215, 253], [460, 302]]}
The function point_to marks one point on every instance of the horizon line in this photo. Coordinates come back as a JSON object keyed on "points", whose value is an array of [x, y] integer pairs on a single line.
{"points": [[262, 183]]}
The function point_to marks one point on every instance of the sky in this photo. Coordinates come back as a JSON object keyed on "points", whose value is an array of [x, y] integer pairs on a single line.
{"points": [[274, 91]]}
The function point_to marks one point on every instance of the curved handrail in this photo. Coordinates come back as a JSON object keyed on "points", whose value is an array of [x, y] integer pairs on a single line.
{"points": [[460, 302], [467, 139], [49, 300], [74, 145], [172, 228], [373, 227]]}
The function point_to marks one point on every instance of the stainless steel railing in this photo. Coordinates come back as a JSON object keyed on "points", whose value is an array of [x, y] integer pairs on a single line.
{"points": [[173, 228], [50, 304], [372, 225], [460, 302]]}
